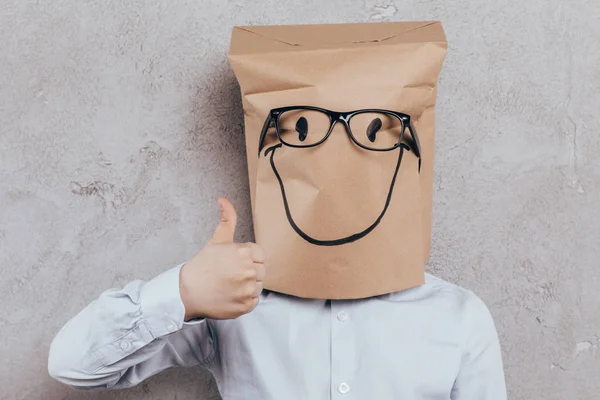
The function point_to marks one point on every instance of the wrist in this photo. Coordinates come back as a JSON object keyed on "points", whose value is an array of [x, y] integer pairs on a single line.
{"points": [[185, 293]]}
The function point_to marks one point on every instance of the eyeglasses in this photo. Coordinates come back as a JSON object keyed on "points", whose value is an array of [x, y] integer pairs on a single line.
{"points": [[371, 129]]}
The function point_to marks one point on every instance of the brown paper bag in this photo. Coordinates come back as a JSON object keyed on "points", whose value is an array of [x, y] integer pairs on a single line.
{"points": [[337, 220]]}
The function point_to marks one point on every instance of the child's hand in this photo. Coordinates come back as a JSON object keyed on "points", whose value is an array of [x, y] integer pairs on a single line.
{"points": [[224, 279]]}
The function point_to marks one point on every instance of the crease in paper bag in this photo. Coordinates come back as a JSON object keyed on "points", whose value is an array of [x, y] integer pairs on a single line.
{"points": [[377, 40]]}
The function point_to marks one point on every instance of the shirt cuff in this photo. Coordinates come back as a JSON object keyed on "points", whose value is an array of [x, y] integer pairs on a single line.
{"points": [[162, 308]]}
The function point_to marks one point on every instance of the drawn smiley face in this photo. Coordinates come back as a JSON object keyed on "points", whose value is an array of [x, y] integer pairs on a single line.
{"points": [[370, 129]]}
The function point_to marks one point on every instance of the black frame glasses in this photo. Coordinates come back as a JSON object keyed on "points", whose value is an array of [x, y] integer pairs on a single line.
{"points": [[411, 143]]}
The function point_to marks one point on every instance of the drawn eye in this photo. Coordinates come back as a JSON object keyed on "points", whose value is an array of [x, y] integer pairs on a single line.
{"points": [[373, 128], [302, 128]]}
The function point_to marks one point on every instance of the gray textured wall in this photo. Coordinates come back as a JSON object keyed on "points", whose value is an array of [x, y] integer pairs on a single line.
{"points": [[120, 123]]}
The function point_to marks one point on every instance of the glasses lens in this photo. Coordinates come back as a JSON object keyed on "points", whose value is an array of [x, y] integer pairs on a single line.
{"points": [[375, 130], [303, 127]]}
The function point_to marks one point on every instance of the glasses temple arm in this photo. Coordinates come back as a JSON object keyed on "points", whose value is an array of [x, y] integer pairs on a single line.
{"points": [[414, 145], [263, 133]]}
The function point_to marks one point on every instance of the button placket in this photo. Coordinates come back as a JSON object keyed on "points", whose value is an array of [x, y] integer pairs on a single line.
{"points": [[342, 348], [342, 316]]}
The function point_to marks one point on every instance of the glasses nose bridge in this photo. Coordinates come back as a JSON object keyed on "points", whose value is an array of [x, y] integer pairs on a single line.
{"points": [[344, 127], [343, 118]]}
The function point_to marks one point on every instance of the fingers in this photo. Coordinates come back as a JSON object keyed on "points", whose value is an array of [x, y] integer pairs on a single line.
{"points": [[253, 303], [225, 230], [253, 260], [261, 271], [258, 289], [253, 251]]}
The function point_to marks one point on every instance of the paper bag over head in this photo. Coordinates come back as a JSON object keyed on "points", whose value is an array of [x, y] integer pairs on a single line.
{"points": [[341, 201]]}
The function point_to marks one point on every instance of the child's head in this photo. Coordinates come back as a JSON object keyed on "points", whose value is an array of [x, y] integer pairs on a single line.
{"points": [[339, 136]]}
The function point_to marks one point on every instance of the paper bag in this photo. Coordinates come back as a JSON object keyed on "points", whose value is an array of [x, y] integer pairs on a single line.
{"points": [[338, 217]]}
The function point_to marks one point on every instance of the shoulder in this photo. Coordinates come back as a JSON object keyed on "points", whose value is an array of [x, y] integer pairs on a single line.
{"points": [[472, 314], [435, 289], [447, 299], [466, 299]]}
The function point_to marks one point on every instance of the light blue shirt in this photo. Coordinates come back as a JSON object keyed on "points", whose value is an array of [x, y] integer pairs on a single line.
{"points": [[434, 342]]}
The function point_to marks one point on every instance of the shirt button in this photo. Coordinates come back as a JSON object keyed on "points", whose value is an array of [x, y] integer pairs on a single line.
{"points": [[342, 316], [171, 328], [125, 345], [343, 388]]}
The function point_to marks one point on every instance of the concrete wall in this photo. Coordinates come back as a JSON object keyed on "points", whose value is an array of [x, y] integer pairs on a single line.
{"points": [[120, 123]]}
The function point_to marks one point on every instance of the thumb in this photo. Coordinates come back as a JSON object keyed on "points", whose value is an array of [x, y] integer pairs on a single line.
{"points": [[226, 228]]}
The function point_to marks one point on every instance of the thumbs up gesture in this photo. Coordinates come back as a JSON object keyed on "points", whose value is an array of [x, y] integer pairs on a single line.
{"points": [[224, 280]]}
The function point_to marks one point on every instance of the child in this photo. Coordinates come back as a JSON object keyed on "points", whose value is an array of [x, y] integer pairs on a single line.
{"points": [[436, 341]]}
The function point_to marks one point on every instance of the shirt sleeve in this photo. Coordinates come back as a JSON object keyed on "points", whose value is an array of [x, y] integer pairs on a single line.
{"points": [[481, 374], [128, 335]]}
